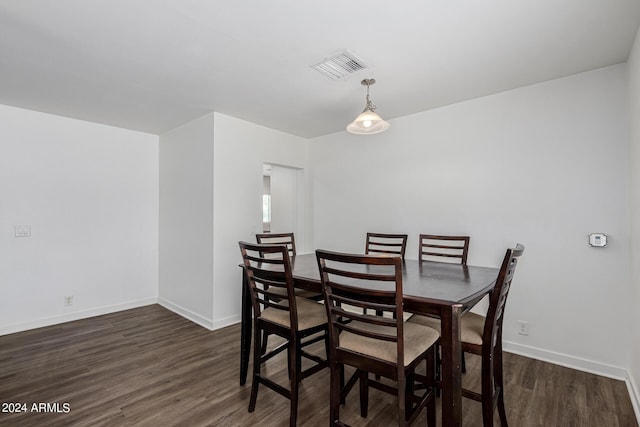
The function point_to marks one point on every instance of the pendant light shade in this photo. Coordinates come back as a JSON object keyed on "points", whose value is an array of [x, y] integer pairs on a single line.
{"points": [[368, 122]]}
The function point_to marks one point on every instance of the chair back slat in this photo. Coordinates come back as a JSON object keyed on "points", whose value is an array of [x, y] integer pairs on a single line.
{"points": [[268, 269], [286, 239], [269, 298], [385, 243], [358, 303], [369, 334], [260, 259], [443, 248], [266, 281], [361, 275]]}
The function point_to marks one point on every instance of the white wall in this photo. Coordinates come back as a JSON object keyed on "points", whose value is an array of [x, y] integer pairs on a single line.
{"points": [[186, 220], [283, 199], [90, 194], [211, 182], [240, 149], [543, 165], [634, 166]]}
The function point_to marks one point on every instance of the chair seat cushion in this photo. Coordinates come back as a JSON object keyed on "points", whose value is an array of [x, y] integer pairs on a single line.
{"points": [[432, 322], [417, 339], [310, 314], [472, 326]]}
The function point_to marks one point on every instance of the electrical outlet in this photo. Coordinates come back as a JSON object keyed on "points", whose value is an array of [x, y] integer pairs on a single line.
{"points": [[22, 230], [68, 300], [523, 327]]}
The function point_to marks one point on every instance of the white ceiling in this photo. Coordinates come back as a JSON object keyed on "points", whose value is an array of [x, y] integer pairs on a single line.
{"points": [[152, 65]]}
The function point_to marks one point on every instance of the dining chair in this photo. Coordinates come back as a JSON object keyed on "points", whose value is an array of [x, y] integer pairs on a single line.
{"points": [[299, 321], [482, 335], [386, 244], [372, 343], [287, 239], [443, 248]]}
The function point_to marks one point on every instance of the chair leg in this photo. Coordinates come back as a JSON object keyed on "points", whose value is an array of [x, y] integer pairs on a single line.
{"points": [[409, 391], [343, 398], [336, 380], [487, 390], [501, 410], [364, 394], [257, 355], [431, 384], [327, 344], [294, 372], [402, 414], [438, 368], [499, 382]]}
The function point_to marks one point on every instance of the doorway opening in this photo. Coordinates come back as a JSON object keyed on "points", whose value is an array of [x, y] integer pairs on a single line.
{"points": [[281, 198], [266, 198]]}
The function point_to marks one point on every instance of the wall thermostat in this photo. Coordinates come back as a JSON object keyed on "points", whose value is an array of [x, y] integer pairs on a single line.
{"points": [[598, 240]]}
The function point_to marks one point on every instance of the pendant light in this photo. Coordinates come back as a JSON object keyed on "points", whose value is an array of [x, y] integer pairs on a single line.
{"points": [[368, 122]]}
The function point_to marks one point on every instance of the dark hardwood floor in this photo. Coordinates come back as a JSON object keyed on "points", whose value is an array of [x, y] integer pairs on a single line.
{"points": [[150, 367]]}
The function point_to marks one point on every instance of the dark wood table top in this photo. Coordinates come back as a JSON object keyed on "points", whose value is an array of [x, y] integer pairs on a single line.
{"points": [[430, 283]]}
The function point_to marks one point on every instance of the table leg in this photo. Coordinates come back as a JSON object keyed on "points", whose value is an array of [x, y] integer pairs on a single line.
{"points": [[245, 330], [451, 360]]}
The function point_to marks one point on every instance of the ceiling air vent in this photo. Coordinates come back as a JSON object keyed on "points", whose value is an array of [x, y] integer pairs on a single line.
{"points": [[340, 65]]}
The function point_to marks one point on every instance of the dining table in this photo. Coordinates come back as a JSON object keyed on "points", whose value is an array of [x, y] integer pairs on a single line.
{"points": [[431, 288]]}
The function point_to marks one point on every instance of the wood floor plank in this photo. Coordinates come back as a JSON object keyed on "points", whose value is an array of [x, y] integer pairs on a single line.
{"points": [[150, 367]]}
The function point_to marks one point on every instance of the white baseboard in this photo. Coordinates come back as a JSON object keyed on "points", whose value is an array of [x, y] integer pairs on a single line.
{"points": [[99, 311], [77, 315], [198, 319], [567, 361], [634, 394], [228, 321], [186, 313]]}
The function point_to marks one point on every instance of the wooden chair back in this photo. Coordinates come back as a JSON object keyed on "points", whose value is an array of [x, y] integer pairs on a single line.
{"points": [[386, 244], [371, 341], [372, 283], [268, 270], [492, 377], [286, 239], [454, 249], [492, 333]]}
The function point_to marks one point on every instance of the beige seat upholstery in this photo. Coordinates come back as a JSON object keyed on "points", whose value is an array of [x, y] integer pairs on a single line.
{"points": [[312, 314], [417, 340], [471, 326]]}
